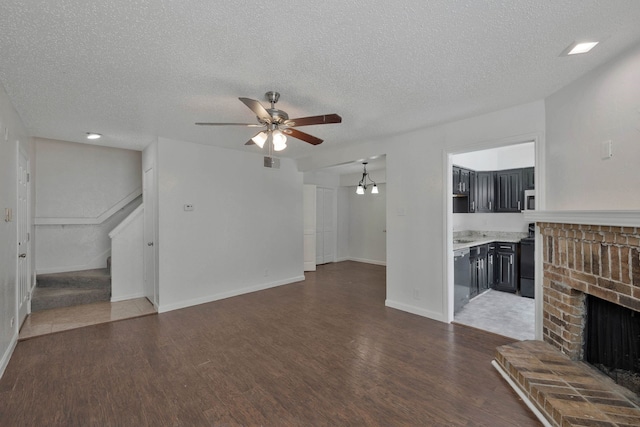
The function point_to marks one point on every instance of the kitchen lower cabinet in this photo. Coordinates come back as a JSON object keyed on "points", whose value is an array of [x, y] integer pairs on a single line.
{"points": [[479, 277], [506, 267], [491, 266]]}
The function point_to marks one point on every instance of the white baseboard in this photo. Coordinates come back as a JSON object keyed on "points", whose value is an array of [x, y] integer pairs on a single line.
{"points": [[367, 261], [127, 297], [522, 395], [440, 317], [210, 298], [7, 354]]}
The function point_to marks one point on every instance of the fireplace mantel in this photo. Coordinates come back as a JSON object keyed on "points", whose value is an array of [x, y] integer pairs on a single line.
{"points": [[611, 218]]}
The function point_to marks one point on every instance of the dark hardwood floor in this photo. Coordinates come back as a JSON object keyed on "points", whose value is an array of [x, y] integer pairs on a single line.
{"points": [[323, 352]]}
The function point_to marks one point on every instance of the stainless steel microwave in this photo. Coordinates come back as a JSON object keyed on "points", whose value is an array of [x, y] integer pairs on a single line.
{"points": [[529, 200]]}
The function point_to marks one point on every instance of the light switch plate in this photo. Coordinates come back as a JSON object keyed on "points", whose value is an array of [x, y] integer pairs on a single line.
{"points": [[188, 208]]}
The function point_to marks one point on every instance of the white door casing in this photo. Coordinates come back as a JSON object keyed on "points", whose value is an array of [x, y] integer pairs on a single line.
{"points": [[24, 244], [309, 221], [150, 247], [325, 230]]}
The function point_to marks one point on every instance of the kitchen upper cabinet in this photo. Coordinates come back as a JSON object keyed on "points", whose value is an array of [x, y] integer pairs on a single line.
{"points": [[461, 180], [509, 190], [490, 191], [506, 267], [472, 191], [528, 179], [485, 190]]}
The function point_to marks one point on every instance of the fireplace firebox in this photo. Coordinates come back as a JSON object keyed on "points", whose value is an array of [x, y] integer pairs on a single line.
{"points": [[612, 341]]}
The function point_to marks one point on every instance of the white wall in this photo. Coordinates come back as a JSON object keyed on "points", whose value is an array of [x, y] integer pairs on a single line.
{"points": [[16, 135], [127, 261], [244, 234], [602, 105], [367, 226], [418, 199], [342, 224], [82, 192], [509, 157]]}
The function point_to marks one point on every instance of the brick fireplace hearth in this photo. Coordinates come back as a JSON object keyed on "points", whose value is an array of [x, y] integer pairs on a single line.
{"points": [[578, 259]]}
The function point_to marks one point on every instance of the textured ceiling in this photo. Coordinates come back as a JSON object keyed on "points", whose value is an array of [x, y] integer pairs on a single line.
{"points": [[134, 70]]}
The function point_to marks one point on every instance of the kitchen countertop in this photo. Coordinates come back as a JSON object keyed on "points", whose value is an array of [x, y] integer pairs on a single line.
{"points": [[476, 238]]}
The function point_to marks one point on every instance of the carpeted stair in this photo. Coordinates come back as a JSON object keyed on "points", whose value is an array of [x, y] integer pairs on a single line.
{"points": [[71, 288]]}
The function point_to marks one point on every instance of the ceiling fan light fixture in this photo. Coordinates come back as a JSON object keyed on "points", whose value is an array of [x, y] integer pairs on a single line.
{"points": [[260, 139], [279, 140], [93, 135]]}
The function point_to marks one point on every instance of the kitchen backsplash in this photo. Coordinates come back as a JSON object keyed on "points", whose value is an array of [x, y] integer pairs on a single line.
{"points": [[513, 222]]}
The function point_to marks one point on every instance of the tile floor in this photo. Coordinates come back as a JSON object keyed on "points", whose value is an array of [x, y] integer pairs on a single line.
{"points": [[62, 319], [502, 313]]}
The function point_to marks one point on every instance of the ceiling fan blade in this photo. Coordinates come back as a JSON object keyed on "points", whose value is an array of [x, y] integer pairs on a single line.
{"points": [[257, 108], [314, 120], [250, 125], [302, 136]]}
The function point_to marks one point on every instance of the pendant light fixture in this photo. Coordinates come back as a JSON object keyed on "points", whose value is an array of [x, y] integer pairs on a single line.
{"points": [[362, 185]]}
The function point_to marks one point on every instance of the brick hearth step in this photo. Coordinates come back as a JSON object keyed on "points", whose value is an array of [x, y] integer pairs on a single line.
{"points": [[566, 392]]}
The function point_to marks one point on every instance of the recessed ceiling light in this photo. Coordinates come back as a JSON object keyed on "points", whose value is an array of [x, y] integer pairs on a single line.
{"points": [[92, 135], [582, 47]]}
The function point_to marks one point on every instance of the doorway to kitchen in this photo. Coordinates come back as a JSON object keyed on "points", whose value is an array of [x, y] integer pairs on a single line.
{"points": [[492, 283]]}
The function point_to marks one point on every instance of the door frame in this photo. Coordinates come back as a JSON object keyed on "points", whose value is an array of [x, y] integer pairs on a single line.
{"points": [[23, 222], [539, 164], [151, 289]]}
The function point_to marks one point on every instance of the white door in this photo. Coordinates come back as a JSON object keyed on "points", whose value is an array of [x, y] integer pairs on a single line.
{"points": [[24, 247], [309, 220], [148, 198], [325, 230]]}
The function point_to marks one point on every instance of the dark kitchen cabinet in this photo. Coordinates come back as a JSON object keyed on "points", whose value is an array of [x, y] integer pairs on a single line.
{"points": [[491, 266], [472, 191], [461, 184], [479, 277], [509, 191], [528, 179], [485, 189], [506, 267]]}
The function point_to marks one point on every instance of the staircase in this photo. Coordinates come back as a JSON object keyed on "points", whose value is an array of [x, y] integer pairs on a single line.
{"points": [[72, 288]]}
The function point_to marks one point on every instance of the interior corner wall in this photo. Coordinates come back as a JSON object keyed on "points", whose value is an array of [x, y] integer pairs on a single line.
{"points": [[77, 184], [603, 105], [367, 226], [13, 136], [417, 195], [342, 224], [245, 232]]}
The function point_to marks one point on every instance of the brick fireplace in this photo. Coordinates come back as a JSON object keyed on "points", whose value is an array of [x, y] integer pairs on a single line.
{"points": [[602, 261], [580, 256]]}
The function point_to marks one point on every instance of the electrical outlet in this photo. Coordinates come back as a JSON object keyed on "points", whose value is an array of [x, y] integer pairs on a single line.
{"points": [[188, 208], [416, 293], [13, 320], [266, 272]]}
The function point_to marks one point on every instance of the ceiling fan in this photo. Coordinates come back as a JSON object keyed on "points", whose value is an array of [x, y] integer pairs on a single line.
{"points": [[278, 124]]}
